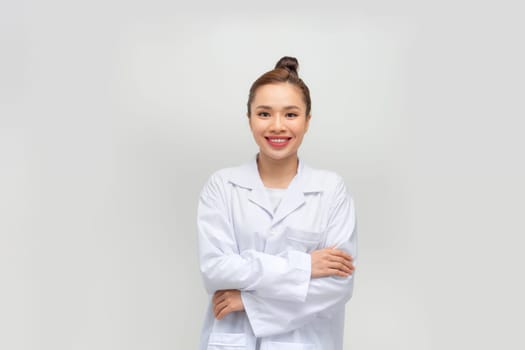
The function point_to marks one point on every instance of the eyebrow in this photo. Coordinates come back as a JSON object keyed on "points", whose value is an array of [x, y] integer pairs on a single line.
{"points": [[268, 107]]}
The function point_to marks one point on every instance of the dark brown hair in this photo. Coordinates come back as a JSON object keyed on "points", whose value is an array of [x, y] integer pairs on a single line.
{"points": [[285, 71]]}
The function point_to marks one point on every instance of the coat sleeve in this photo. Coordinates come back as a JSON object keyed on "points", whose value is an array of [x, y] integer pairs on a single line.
{"points": [[223, 266], [270, 316]]}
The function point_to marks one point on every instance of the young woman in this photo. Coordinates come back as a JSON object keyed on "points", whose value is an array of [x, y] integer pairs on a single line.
{"points": [[277, 239]]}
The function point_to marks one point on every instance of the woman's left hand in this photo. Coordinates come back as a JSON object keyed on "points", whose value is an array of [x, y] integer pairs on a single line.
{"points": [[226, 301]]}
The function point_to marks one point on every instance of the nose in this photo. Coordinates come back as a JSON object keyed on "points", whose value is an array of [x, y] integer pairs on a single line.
{"points": [[277, 124]]}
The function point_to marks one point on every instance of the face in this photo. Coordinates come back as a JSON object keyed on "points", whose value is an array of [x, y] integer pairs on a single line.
{"points": [[278, 121]]}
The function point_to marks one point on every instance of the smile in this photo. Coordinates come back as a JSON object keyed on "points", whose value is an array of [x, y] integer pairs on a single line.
{"points": [[278, 141]]}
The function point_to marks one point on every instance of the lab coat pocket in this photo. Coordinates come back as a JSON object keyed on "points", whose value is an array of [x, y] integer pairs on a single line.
{"points": [[302, 240], [227, 341], [287, 346]]}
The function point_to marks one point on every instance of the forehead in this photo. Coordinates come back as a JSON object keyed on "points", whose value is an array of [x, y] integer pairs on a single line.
{"points": [[278, 95]]}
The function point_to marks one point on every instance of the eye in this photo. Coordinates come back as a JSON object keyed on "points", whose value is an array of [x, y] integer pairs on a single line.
{"points": [[263, 114], [291, 115]]}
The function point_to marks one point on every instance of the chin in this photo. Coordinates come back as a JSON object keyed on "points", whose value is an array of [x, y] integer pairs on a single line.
{"points": [[278, 156]]}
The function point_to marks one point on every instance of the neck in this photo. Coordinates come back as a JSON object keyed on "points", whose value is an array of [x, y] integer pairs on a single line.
{"points": [[277, 173]]}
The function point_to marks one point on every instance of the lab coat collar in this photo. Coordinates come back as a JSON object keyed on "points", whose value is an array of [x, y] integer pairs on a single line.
{"points": [[247, 176]]}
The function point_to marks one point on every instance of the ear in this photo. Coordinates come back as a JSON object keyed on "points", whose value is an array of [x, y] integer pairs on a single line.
{"points": [[308, 117], [249, 120]]}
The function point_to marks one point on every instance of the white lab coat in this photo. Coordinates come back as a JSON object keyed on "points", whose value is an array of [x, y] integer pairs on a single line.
{"points": [[244, 245]]}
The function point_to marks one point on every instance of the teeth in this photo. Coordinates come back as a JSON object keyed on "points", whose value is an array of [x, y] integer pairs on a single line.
{"points": [[278, 140]]}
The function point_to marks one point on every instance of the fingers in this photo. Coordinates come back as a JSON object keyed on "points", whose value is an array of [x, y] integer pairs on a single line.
{"points": [[221, 309], [341, 263], [339, 256], [225, 302], [218, 299], [340, 253], [331, 262], [218, 295], [221, 295], [222, 305], [341, 267], [337, 272]]}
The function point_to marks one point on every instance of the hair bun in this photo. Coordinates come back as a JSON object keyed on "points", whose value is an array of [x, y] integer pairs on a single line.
{"points": [[289, 63]]}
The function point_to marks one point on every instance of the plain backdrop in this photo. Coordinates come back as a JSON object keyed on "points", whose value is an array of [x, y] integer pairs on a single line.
{"points": [[114, 113]]}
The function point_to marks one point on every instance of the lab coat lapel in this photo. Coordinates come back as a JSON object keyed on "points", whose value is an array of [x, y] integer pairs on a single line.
{"points": [[259, 196], [294, 196], [247, 176], [293, 200]]}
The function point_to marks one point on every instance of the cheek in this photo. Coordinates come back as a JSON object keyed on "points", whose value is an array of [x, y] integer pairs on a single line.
{"points": [[300, 130], [256, 128], [253, 127]]}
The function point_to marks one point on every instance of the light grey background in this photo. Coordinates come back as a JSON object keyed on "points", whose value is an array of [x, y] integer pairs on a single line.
{"points": [[114, 113]]}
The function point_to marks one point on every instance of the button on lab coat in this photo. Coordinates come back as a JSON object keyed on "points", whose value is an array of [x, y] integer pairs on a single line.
{"points": [[245, 245]]}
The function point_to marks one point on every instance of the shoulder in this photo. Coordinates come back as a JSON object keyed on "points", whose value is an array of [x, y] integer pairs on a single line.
{"points": [[331, 184], [325, 180], [336, 195], [220, 179]]}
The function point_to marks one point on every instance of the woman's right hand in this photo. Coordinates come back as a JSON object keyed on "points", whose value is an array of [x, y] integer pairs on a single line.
{"points": [[331, 262]]}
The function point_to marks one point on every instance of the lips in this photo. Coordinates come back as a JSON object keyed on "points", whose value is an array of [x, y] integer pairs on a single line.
{"points": [[278, 141]]}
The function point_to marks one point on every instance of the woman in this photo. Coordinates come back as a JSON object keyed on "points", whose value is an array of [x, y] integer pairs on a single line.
{"points": [[277, 239]]}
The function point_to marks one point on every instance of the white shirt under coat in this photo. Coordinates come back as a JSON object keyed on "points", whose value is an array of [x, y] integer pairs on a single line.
{"points": [[245, 245]]}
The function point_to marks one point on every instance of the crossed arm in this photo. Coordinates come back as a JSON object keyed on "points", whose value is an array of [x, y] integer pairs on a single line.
{"points": [[326, 262], [292, 287]]}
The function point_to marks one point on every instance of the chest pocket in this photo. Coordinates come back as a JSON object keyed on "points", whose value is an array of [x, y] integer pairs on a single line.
{"points": [[287, 346], [227, 341], [302, 240]]}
